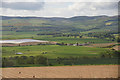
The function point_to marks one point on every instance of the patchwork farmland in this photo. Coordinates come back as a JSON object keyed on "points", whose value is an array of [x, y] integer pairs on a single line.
{"points": [[66, 54]]}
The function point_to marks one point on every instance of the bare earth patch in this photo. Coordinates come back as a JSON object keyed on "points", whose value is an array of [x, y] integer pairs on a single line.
{"points": [[91, 71], [101, 45], [117, 47]]}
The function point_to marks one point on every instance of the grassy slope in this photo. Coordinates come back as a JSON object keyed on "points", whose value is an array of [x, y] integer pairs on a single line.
{"points": [[74, 24]]}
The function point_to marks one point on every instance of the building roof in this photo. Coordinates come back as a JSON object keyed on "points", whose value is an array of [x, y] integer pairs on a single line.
{"points": [[19, 53]]}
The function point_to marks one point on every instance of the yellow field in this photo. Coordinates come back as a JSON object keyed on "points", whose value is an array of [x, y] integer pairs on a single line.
{"points": [[98, 71], [102, 45]]}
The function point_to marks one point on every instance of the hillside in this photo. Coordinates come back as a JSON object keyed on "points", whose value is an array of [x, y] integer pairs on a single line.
{"points": [[60, 25]]}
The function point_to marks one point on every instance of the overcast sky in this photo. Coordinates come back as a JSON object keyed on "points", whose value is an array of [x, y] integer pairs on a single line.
{"points": [[60, 8]]}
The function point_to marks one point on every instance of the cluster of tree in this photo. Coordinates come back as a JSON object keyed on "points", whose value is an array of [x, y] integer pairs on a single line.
{"points": [[69, 35], [19, 60], [118, 39], [49, 33], [102, 36], [105, 57], [58, 34], [110, 54]]}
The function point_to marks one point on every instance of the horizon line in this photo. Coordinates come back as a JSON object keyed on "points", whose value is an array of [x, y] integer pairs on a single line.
{"points": [[58, 16]]}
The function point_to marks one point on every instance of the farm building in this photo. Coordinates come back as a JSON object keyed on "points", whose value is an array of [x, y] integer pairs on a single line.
{"points": [[77, 44], [19, 53]]}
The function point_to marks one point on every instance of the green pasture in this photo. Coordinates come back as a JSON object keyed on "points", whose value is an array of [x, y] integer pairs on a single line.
{"points": [[53, 51], [74, 40], [32, 35]]}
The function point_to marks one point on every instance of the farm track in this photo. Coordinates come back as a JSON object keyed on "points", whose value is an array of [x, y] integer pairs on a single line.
{"points": [[90, 71]]}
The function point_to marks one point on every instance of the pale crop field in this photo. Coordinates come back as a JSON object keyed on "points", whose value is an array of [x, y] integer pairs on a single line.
{"points": [[86, 71], [102, 44]]}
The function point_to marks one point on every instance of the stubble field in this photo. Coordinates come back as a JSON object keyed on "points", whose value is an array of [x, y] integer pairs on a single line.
{"points": [[91, 71]]}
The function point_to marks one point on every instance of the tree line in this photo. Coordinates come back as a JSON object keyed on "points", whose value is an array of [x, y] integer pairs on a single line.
{"points": [[104, 35], [106, 57]]}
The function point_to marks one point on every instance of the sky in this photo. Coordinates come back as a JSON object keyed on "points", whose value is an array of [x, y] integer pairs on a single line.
{"points": [[58, 8]]}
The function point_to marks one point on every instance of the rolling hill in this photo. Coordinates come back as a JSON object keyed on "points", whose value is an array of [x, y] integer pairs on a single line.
{"points": [[59, 24]]}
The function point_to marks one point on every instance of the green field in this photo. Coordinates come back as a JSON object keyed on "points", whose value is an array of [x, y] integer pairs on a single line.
{"points": [[56, 56], [53, 51], [22, 35]]}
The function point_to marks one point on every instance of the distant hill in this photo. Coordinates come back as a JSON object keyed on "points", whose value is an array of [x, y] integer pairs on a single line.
{"points": [[60, 24]]}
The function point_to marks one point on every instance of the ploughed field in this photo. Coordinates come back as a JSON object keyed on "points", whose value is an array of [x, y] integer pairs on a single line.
{"points": [[91, 71]]}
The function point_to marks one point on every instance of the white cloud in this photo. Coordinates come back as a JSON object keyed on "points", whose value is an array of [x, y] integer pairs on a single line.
{"points": [[93, 5], [60, 0], [19, 1], [94, 8], [80, 0], [67, 9], [23, 5]]}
